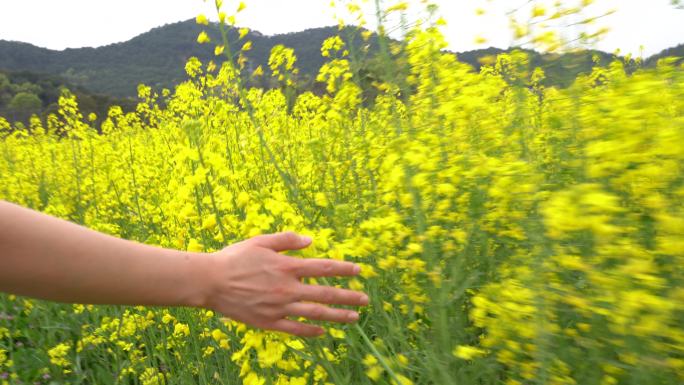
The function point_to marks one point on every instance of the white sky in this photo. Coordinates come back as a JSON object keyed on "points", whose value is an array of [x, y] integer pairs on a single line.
{"points": [[59, 24]]}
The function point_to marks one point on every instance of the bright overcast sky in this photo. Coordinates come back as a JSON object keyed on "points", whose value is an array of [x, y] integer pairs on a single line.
{"points": [[59, 24]]}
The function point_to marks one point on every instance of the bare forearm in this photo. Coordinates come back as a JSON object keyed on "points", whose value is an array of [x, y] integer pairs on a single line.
{"points": [[249, 281], [48, 258]]}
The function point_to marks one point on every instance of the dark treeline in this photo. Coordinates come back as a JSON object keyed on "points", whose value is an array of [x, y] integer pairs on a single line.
{"points": [[23, 94]]}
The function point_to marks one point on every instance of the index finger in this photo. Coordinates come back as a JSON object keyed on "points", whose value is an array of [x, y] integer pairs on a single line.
{"points": [[325, 268]]}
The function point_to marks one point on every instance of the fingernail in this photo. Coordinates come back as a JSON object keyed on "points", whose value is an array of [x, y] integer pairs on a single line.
{"points": [[305, 239], [364, 299], [353, 316], [357, 269]]}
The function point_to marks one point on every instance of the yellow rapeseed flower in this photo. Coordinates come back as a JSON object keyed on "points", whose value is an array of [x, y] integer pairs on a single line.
{"points": [[203, 38], [202, 20], [468, 352]]}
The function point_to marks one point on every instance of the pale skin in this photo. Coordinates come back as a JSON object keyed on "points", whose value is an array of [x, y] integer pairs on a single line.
{"points": [[250, 281]]}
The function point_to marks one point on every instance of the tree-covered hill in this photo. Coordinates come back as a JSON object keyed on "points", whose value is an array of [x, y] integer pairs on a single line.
{"points": [[157, 58], [677, 52]]}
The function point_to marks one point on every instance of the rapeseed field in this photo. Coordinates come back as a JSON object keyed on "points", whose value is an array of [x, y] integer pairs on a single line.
{"points": [[508, 232]]}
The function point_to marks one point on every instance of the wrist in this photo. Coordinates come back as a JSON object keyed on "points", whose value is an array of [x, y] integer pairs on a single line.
{"points": [[196, 288]]}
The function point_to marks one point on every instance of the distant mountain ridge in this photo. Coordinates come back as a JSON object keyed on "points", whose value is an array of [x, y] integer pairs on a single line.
{"points": [[157, 58]]}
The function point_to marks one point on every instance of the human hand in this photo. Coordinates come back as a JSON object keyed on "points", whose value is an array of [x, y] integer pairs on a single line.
{"points": [[252, 282]]}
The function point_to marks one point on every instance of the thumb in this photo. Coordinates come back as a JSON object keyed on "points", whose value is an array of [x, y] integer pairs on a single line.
{"points": [[282, 241]]}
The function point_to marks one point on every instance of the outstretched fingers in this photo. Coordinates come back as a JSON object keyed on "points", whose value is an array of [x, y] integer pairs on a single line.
{"points": [[297, 328], [317, 312], [281, 241], [325, 268], [331, 295]]}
